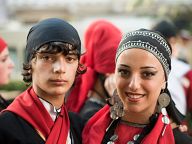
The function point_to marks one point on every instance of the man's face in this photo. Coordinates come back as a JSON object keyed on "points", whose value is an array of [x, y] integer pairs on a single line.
{"points": [[53, 74]]}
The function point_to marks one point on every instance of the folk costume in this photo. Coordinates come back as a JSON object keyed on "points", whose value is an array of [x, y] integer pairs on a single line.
{"points": [[30, 119], [106, 126], [101, 41], [26, 120]]}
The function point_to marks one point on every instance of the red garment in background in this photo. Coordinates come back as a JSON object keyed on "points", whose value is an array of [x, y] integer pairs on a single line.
{"points": [[101, 41], [29, 107], [3, 45], [188, 90]]}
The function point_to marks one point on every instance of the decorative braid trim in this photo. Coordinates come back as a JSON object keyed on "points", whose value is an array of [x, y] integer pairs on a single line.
{"points": [[145, 46], [153, 36]]}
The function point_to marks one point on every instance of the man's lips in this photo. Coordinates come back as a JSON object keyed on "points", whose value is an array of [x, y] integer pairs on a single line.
{"points": [[58, 81]]}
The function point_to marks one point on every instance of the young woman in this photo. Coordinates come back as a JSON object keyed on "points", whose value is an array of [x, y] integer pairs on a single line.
{"points": [[142, 111], [51, 64], [6, 67]]}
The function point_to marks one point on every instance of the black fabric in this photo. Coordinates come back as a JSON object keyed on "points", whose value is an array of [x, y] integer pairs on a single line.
{"points": [[76, 127], [3, 103], [15, 130], [173, 112], [110, 131], [166, 28], [181, 138], [89, 109], [51, 30]]}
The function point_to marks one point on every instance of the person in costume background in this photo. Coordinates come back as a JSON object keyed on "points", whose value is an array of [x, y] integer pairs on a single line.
{"points": [[141, 110], [6, 67], [180, 79], [51, 64], [92, 88]]}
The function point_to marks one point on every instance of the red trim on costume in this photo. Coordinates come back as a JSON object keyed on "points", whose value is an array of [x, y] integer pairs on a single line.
{"points": [[29, 107]]}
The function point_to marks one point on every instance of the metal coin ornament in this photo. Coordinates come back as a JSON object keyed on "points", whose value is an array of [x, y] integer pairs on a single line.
{"points": [[116, 108], [165, 120], [113, 138], [163, 100]]}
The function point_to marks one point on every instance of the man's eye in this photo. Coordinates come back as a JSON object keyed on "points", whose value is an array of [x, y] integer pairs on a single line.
{"points": [[71, 59], [47, 57]]}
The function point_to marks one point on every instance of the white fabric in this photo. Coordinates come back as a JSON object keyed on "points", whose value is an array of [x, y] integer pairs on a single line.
{"points": [[51, 109], [179, 69]]}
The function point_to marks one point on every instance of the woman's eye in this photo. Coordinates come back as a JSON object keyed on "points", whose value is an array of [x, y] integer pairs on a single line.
{"points": [[148, 74], [4, 60], [123, 72]]}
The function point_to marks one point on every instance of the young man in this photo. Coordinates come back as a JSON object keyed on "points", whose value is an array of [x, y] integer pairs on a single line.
{"points": [[51, 64]]}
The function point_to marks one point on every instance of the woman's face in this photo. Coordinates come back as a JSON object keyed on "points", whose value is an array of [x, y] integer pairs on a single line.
{"points": [[6, 67], [139, 80]]}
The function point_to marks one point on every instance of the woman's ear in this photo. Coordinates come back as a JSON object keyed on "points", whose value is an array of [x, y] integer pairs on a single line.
{"points": [[164, 85]]}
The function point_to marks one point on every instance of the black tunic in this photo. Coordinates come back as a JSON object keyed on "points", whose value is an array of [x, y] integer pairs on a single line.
{"points": [[3, 103], [89, 109], [15, 130]]}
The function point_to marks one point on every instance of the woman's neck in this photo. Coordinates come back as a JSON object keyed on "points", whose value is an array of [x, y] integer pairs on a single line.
{"points": [[139, 118]]}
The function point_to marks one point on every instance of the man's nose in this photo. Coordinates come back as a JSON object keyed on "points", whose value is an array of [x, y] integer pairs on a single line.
{"points": [[59, 66]]}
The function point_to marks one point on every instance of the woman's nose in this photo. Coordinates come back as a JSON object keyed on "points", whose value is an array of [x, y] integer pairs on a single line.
{"points": [[134, 83]]}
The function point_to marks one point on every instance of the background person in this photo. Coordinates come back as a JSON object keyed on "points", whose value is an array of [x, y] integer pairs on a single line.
{"points": [[6, 67], [180, 79], [92, 89]]}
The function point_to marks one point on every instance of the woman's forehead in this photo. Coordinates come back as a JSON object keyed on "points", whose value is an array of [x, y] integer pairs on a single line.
{"points": [[137, 56]]}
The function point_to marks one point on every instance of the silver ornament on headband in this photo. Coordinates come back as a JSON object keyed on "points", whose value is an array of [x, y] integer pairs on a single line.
{"points": [[138, 42]]}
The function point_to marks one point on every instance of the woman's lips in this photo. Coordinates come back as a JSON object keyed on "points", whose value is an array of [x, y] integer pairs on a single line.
{"points": [[134, 97]]}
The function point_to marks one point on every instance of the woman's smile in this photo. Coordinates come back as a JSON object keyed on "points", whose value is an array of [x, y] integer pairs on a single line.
{"points": [[134, 97]]}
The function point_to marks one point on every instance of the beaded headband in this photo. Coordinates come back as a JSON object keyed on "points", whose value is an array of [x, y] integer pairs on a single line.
{"points": [[150, 41]]}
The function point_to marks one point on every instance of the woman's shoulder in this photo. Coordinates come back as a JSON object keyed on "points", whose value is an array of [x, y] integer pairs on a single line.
{"points": [[181, 137]]}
